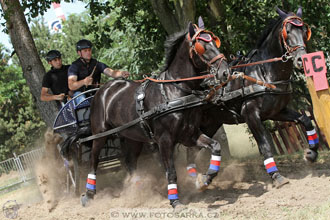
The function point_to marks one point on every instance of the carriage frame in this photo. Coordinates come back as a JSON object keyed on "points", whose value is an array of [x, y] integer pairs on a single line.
{"points": [[72, 123]]}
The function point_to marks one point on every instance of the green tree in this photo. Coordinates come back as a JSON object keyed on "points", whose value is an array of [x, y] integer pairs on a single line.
{"points": [[238, 23], [74, 29], [121, 52], [20, 123], [128, 48], [21, 38]]}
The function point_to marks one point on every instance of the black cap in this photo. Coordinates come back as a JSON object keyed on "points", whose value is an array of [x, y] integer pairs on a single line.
{"points": [[52, 55], [83, 44]]}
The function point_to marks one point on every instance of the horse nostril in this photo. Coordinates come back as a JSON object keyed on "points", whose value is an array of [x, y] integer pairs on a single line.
{"points": [[225, 75], [299, 62]]}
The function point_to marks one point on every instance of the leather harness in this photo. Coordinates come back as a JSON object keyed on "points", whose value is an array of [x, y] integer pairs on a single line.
{"points": [[197, 98], [174, 105]]}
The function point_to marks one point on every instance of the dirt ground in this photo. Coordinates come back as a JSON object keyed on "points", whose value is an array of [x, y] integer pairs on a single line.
{"points": [[241, 191]]}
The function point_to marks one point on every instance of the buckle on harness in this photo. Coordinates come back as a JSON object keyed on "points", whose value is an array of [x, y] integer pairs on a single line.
{"points": [[140, 96]]}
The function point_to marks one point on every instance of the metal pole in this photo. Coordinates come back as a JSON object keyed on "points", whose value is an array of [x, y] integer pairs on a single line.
{"points": [[19, 167]]}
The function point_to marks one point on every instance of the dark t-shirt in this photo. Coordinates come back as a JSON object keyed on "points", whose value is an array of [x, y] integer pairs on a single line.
{"points": [[57, 80], [82, 69]]}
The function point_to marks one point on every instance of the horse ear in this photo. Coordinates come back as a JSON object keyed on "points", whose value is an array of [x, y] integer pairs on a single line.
{"points": [[299, 12], [282, 14], [191, 30], [200, 23]]}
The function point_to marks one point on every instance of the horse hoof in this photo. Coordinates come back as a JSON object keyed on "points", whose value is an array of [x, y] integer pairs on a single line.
{"points": [[136, 181], [192, 176], [310, 155], [279, 180], [178, 206], [191, 168], [201, 182], [84, 200]]}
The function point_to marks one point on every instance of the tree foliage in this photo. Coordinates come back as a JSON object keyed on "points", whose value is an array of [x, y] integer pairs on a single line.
{"points": [[124, 48], [74, 29], [20, 123]]}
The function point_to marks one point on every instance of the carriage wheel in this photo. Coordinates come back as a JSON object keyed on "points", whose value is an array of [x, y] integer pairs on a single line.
{"points": [[76, 175]]}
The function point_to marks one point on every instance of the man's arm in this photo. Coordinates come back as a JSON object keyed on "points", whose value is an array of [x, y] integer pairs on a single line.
{"points": [[74, 84], [46, 96], [115, 73]]}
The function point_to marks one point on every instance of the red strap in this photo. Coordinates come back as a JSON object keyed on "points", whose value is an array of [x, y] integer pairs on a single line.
{"points": [[219, 56], [258, 62]]}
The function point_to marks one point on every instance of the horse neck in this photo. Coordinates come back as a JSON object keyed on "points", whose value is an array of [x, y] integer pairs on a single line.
{"points": [[271, 48], [182, 67]]}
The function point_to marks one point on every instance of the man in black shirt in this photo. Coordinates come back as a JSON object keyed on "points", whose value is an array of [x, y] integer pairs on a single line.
{"points": [[56, 79], [85, 72]]}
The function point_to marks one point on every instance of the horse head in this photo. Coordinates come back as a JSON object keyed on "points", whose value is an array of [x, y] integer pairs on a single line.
{"points": [[294, 34], [204, 52]]}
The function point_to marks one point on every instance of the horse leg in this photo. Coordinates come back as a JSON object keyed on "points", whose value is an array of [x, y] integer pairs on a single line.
{"points": [[313, 141], [205, 180], [134, 149], [209, 127], [191, 166], [91, 178], [166, 151], [265, 144], [132, 154]]}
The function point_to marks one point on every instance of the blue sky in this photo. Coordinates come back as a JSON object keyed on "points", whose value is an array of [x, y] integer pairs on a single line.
{"points": [[67, 8]]}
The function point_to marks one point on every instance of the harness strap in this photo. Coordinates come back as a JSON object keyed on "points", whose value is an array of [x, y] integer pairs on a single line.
{"points": [[217, 57], [175, 80], [162, 91], [139, 99], [189, 91], [184, 102], [252, 91], [236, 76], [258, 62]]}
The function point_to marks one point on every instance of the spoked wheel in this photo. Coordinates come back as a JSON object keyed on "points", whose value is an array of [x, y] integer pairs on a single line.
{"points": [[76, 175]]}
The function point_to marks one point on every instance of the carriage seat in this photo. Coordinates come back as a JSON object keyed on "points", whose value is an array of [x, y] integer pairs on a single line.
{"points": [[84, 104], [73, 116]]}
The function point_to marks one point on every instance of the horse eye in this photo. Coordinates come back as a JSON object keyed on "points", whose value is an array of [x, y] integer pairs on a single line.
{"points": [[304, 29], [288, 30], [209, 45]]}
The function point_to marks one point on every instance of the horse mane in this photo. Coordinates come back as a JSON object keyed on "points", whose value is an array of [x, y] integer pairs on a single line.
{"points": [[272, 24], [171, 47]]}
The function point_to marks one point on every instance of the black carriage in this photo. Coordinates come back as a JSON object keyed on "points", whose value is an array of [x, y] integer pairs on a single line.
{"points": [[72, 123]]}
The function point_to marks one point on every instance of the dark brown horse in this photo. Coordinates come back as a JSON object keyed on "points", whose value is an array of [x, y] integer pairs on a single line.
{"points": [[188, 54], [286, 38]]}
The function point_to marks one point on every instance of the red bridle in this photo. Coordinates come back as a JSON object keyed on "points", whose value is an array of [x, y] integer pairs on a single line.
{"points": [[198, 48], [284, 34]]}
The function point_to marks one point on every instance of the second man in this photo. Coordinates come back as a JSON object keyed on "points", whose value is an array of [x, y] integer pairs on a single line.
{"points": [[86, 71]]}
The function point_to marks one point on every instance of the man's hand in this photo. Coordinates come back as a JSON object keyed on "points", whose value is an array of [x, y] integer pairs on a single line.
{"points": [[124, 74], [115, 73], [60, 97], [88, 81]]}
